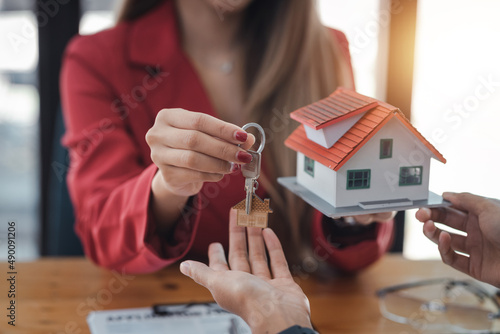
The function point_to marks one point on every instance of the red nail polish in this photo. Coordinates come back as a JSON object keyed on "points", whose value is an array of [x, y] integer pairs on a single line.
{"points": [[241, 136], [244, 157]]}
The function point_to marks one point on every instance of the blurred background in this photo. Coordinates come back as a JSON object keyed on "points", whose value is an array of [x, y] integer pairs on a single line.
{"points": [[438, 60]]}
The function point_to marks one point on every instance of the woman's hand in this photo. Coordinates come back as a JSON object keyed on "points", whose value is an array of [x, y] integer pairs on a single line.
{"points": [[191, 148], [479, 218], [381, 217], [269, 301]]}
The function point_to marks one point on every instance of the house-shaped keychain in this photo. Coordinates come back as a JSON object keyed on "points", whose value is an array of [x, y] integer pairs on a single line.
{"points": [[258, 213], [358, 155]]}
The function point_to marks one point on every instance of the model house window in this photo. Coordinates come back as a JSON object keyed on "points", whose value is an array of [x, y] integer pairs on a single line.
{"points": [[309, 166], [410, 176], [385, 148], [358, 179]]}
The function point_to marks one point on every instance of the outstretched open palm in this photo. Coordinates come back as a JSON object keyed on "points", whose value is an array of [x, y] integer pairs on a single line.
{"points": [[266, 298]]}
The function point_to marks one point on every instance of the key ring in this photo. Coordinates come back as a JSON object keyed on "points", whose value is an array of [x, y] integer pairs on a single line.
{"points": [[262, 134]]}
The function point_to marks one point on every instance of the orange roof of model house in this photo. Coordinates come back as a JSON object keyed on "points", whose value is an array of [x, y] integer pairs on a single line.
{"points": [[340, 105]]}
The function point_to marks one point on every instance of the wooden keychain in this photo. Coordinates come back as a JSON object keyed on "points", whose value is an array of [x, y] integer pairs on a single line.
{"points": [[253, 211]]}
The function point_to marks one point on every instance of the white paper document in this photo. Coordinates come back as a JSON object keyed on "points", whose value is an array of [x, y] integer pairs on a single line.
{"points": [[206, 318]]}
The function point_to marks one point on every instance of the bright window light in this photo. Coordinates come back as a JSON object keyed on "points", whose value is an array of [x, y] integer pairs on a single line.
{"points": [[95, 21], [18, 41], [456, 101], [366, 25]]}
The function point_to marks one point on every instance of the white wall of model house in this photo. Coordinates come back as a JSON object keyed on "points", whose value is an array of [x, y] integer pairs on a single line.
{"points": [[323, 183], [407, 151]]}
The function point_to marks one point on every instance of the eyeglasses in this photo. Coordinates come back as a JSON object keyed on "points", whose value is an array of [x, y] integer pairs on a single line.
{"points": [[440, 304]]}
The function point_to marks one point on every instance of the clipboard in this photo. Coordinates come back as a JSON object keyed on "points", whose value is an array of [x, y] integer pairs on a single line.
{"points": [[202, 318]]}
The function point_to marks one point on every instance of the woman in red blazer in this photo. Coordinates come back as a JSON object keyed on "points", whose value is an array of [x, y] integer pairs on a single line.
{"points": [[150, 108]]}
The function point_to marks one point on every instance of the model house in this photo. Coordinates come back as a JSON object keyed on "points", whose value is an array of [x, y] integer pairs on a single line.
{"points": [[353, 150]]}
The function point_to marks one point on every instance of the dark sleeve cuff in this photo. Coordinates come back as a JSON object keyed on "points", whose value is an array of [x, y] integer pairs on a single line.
{"points": [[298, 330], [178, 241]]}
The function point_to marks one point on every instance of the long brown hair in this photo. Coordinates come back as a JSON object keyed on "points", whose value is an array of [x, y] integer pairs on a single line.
{"points": [[291, 60]]}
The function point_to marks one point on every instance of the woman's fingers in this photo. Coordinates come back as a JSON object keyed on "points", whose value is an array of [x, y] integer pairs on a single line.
{"points": [[184, 119], [197, 141], [257, 253], [216, 257], [191, 160], [376, 217], [249, 143], [279, 265], [384, 216], [191, 148], [238, 255], [178, 177]]}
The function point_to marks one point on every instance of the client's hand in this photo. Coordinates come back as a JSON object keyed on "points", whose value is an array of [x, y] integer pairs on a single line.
{"points": [[479, 218], [268, 300]]}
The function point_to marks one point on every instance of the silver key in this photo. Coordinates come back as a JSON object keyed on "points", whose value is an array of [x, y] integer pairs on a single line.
{"points": [[251, 170]]}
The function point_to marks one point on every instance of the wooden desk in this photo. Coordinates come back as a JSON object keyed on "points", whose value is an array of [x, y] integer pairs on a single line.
{"points": [[55, 295]]}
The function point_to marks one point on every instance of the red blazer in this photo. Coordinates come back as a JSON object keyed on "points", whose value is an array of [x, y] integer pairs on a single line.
{"points": [[113, 84]]}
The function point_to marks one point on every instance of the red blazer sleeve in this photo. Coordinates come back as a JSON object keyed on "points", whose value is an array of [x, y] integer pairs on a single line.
{"points": [[109, 182], [365, 252]]}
